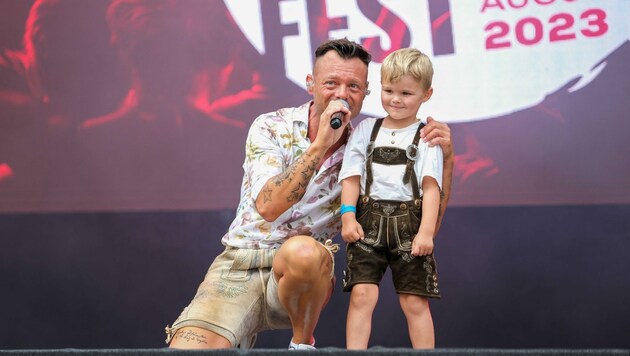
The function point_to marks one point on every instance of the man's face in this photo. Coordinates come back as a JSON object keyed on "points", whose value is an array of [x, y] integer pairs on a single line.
{"points": [[337, 78]]}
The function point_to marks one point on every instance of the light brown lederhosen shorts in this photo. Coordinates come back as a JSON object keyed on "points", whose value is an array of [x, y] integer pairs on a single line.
{"points": [[237, 298]]}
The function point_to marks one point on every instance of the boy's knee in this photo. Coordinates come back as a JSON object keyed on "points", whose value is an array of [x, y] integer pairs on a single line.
{"points": [[364, 295], [414, 303]]}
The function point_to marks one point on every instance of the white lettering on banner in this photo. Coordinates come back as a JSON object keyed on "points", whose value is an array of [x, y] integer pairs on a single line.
{"points": [[502, 55]]}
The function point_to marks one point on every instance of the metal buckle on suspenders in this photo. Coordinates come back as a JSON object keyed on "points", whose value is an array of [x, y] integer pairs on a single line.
{"points": [[412, 152]]}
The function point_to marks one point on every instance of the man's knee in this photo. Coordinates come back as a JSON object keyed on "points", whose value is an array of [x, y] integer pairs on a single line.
{"points": [[301, 250], [192, 337], [303, 257]]}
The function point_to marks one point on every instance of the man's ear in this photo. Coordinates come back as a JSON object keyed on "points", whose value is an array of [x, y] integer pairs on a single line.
{"points": [[309, 83]]}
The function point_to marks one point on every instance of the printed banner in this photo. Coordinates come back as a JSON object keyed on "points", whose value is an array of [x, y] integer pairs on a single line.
{"points": [[117, 105]]}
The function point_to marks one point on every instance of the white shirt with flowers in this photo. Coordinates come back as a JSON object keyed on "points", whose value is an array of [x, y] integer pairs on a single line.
{"points": [[274, 142]]}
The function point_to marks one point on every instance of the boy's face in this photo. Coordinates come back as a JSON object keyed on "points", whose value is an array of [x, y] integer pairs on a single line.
{"points": [[402, 99]]}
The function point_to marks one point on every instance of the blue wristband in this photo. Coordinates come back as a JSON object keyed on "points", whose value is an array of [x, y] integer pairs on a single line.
{"points": [[347, 209]]}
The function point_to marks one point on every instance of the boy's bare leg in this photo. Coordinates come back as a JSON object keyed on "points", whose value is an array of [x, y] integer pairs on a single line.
{"points": [[197, 338], [363, 299], [419, 321], [303, 268]]}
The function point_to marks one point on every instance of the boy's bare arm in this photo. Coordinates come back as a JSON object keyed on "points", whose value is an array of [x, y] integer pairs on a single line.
{"points": [[423, 242], [351, 230]]}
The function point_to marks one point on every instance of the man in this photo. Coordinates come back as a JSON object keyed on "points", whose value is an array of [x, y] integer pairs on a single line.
{"points": [[278, 268]]}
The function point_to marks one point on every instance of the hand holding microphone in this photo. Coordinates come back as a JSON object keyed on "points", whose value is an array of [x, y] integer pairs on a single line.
{"points": [[336, 118]]}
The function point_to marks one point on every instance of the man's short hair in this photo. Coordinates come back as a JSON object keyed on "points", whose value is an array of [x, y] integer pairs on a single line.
{"points": [[345, 48]]}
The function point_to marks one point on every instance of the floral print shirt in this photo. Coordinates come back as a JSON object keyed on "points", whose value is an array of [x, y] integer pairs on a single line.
{"points": [[274, 142]]}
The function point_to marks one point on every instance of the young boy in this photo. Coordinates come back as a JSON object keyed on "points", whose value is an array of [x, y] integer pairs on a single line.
{"points": [[391, 183]]}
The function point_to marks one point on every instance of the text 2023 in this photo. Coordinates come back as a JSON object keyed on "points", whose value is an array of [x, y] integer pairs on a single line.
{"points": [[562, 27]]}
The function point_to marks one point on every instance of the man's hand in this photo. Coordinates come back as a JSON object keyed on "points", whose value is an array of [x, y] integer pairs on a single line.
{"points": [[438, 133], [326, 135]]}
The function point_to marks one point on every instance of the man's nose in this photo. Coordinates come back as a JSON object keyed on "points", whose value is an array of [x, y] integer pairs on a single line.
{"points": [[342, 92]]}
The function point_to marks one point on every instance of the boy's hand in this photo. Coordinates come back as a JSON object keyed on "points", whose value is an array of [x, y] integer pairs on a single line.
{"points": [[422, 245], [351, 230]]}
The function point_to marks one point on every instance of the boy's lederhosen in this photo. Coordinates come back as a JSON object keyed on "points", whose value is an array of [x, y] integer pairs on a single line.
{"points": [[389, 228]]}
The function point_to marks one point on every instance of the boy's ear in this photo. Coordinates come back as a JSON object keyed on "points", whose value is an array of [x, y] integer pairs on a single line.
{"points": [[427, 95]]}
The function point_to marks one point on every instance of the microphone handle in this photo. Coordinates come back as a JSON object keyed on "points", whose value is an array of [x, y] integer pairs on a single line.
{"points": [[335, 122]]}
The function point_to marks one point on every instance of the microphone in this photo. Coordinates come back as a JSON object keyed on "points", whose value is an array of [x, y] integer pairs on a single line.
{"points": [[335, 120]]}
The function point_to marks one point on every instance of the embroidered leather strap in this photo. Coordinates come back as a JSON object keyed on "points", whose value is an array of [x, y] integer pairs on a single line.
{"points": [[370, 156], [386, 155], [412, 156]]}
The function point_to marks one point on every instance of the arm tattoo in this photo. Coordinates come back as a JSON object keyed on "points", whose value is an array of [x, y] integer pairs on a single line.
{"points": [[307, 172], [266, 195], [308, 165], [285, 176], [297, 193], [191, 336]]}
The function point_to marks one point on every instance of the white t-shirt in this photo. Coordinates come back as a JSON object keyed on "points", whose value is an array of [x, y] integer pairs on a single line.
{"points": [[388, 179]]}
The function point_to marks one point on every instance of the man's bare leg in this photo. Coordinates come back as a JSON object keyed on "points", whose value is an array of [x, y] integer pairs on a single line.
{"points": [[302, 268], [197, 338]]}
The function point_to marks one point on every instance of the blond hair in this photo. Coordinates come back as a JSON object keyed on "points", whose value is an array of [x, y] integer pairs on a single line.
{"points": [[407, 61]]}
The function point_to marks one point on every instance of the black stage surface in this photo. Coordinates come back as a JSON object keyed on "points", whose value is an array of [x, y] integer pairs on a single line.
{"points": [[376, 351]]}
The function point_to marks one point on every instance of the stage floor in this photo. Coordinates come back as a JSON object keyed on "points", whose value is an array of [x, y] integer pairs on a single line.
{"points": [[376, 351]]}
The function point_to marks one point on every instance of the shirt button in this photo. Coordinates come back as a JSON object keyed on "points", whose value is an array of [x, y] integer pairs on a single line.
{"points": [[393, 142], [393, 134]]}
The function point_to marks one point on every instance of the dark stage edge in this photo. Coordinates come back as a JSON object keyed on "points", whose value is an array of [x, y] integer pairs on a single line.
{"points": [[376, 351]]}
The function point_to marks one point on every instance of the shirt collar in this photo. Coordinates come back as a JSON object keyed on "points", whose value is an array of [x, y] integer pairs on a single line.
{"points": [[302, 113]]}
